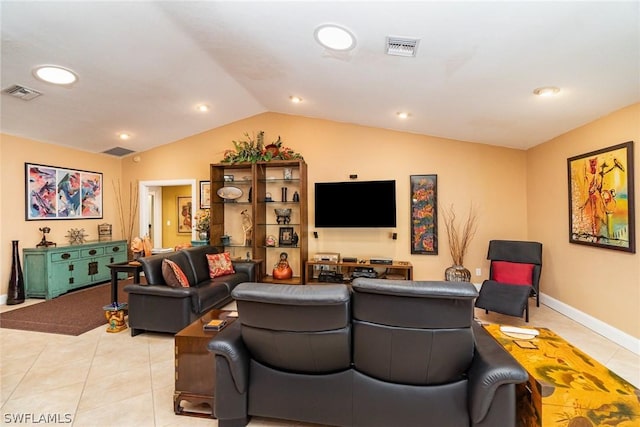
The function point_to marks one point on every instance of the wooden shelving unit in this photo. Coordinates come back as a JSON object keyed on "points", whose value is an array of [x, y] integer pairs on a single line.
{"points": [[256, 181]]}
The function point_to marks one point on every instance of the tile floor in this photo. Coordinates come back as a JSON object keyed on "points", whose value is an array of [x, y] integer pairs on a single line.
{"points": [[102, 379]]}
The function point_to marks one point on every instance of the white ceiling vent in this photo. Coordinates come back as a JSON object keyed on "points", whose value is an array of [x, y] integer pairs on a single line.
{"points": [[22, 92], [402, 46]]}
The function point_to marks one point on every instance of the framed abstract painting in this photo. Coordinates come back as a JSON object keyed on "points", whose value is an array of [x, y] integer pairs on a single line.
{"points": [[424, 214], [601, 198], [61, 193]]}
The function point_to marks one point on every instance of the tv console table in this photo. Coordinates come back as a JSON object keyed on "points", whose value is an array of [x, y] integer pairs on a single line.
{"points": [[402, 270]]}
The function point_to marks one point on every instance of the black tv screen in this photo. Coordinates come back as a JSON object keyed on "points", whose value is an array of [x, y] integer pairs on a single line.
{"points": [[355, 204]]}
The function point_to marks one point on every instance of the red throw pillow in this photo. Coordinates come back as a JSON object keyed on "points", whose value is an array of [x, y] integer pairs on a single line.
{"points": [[220, 264], [514, 273], [173, 274]]}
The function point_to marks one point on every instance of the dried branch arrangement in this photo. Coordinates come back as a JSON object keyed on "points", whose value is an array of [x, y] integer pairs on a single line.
{"points": [[459, 240], [127, 222]]}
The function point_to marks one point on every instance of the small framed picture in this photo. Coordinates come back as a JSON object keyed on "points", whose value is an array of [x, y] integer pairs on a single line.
{"points": [[205, 194], [228, 178], [286, 236]]}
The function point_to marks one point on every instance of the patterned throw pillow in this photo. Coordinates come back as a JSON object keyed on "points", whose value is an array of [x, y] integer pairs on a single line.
{"points": [[173, 274], [220, 264]]}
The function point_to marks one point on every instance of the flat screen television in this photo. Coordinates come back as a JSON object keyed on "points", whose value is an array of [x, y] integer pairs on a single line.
{"points": [[354, 204]]}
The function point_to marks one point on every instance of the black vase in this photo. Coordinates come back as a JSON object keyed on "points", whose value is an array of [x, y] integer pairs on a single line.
{"points": [[15, 293]]}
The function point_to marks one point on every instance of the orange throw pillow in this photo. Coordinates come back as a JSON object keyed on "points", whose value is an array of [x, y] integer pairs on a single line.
{"points": [[173, 274], [220, 264]]}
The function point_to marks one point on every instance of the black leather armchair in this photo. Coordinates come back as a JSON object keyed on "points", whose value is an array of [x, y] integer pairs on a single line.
{"points": [[508, 291], [388, 353]]}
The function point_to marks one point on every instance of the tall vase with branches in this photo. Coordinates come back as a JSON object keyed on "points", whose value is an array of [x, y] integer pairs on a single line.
{"points": [[459, 240], [127, 218]]}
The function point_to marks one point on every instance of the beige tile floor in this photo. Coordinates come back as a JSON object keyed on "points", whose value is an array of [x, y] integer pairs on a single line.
{"points": [[102, 379]]}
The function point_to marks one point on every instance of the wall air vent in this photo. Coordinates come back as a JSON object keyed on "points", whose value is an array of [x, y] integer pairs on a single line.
{"points": [[118, 151], [401, 46], [22, 92]]}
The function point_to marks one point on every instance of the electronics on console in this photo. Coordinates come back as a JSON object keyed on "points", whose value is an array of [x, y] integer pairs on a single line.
{"points": [[330, 276]]}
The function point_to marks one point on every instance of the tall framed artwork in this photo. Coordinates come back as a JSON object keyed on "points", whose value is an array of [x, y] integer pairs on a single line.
{"points": [[185, 214], [53, 192], [424, 214], [601, 198]]}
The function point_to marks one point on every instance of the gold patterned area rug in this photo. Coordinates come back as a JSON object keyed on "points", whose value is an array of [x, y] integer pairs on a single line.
{"points": [[73, 313]]}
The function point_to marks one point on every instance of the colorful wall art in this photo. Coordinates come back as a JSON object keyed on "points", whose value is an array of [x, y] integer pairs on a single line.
{"points": [[62, 193], [601, 200]]}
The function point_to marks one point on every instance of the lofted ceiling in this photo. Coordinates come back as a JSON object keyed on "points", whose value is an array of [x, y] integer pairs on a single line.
{"points": [[144, 65]]}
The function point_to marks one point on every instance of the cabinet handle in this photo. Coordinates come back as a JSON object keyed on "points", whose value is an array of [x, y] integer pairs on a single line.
{"points": [[65, 256], [116, 248], [70, 267], [92, 252]]}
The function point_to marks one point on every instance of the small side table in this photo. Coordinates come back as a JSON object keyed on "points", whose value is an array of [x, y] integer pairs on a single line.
{"points": [[133, 267], [115, 316]]}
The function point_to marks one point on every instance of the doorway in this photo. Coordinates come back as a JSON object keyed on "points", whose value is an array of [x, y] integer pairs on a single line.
{"points": [[150, 203]]}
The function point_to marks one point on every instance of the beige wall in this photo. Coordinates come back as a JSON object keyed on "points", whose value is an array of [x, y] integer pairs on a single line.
{"points": [[492, 178], [14, 152], [519, 194], [603, 283]]}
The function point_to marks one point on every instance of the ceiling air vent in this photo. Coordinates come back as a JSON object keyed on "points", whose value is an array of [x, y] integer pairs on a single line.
{"points": [[118, 151], [22, 92], [400, 46]]}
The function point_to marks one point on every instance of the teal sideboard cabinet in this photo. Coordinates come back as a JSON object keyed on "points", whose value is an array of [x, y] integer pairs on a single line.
{"points": [[52, 271]]}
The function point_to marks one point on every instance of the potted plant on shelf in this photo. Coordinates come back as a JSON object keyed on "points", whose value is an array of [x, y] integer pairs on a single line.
{"points": [[252, 150], [459, 241], [202, 223]]}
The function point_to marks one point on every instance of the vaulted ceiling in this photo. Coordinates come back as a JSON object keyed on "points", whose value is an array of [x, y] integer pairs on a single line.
{"points": [[144, 66]]}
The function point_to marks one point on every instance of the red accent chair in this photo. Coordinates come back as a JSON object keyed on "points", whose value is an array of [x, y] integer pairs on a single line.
{"points": [[514, 276]]}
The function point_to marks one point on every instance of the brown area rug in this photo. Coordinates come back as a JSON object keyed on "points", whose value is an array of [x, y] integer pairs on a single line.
{"points": [[73, 313]]}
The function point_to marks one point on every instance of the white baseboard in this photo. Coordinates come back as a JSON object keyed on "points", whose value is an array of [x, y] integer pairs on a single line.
{"points": [[616, 335]]}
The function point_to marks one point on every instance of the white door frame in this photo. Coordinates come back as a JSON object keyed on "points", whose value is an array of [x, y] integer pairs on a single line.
{"points": [[145, 187]]}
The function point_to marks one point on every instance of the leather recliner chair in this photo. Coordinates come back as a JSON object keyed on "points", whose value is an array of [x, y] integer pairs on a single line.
{"points": [[388, 353]]}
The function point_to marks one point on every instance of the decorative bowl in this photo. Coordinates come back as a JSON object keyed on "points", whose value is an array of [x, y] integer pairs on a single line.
{"points": [[283, 212]]}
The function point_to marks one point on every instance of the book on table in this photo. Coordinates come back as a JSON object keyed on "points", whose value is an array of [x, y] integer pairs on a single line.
{"points": [[215, 325]]}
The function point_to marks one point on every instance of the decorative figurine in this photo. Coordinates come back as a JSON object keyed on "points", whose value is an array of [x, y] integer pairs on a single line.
{"points": [[294, 239], [296, 196], [282, 270], [44, 242], [283, 216], [270, 240], [76, 236], [247, 225]]}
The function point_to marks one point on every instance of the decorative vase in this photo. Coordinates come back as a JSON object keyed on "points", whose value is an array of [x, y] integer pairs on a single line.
{"points": [[225, 240], [457, 273], [203, 235], [15, 293]]}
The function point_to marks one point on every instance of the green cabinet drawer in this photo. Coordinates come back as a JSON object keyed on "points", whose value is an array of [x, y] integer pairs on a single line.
{"points": [[64, 255], [91, 252]]}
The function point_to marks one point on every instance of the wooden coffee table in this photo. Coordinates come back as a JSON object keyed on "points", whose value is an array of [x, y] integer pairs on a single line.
{"points": [[195, 366], [566, 386]]}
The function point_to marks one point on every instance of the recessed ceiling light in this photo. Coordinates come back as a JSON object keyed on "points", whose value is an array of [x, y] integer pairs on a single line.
{"points": [[203, 108], [124, 136], [546, 91], [295, 99], [334, 37], [55, 74], [402, 114]]}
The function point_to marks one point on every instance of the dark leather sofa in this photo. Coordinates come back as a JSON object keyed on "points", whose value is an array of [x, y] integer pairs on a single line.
{"points": [[386, 353], [157, 307]]}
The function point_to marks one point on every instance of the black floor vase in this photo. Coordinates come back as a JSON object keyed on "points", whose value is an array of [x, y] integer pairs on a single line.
{"points": [[15, 293]]}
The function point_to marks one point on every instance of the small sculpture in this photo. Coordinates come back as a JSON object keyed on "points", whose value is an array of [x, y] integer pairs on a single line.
{"points": [[283, 216], [247, 225], [44, 242], [282, 270], [76, 236], [115, 317]]}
